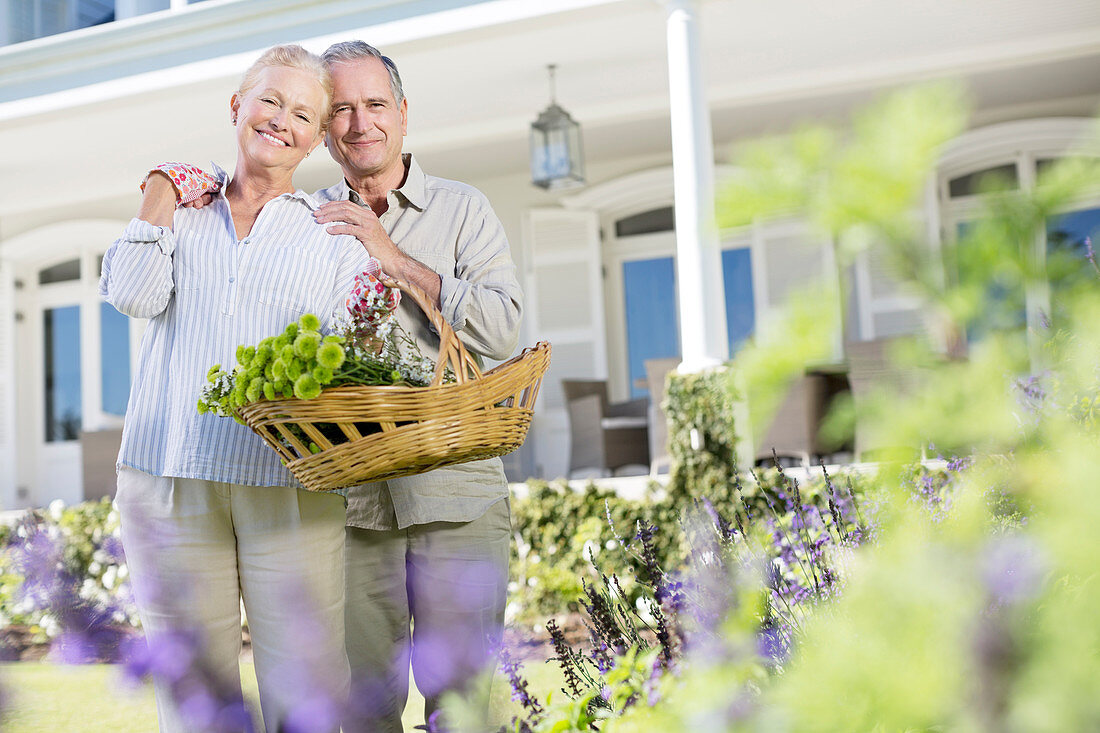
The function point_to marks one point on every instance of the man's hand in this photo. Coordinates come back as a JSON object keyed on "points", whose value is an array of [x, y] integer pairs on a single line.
{"points": [[362, 223]]}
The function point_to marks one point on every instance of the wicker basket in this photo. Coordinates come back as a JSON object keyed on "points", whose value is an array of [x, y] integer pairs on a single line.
{"points": [[481, 415]]}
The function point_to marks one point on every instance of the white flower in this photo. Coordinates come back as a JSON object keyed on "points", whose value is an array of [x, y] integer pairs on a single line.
{"points": [[57, 506], [50, 625], [109, 577], [645, 610]]}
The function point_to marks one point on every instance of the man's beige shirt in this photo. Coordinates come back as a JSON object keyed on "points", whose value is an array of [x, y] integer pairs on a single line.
{"points": [[450, 227]]}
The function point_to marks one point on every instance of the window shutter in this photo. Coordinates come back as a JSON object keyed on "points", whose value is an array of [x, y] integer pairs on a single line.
{"points": [[564, 305], [7, 387]]}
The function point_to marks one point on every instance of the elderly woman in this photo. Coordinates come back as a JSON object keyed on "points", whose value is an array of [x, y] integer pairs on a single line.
{"points": [[209, 513]]}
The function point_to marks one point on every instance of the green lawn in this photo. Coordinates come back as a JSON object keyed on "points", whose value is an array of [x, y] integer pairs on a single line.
{"points": [[41, 697]]}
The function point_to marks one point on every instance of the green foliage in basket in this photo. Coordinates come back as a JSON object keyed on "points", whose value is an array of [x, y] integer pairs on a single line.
{"points": [[300, 362]]}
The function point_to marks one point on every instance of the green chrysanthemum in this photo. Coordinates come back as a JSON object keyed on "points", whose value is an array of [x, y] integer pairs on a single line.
{"points": [[332, 339], [278, 369], [287, 353], [323, 375], [263, 355], [306, 387], [306, 344], [330, 355], [279, 342], [314, 448], [309, 322], [269, 372], [269, 390], [255, 389], [245, 354], [288, 391], [238, 396], [202, 408], [213, 374], [294, 369], [291, 331]]}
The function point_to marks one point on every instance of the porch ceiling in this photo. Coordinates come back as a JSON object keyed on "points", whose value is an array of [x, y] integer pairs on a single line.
{"points": [[473, 93]]}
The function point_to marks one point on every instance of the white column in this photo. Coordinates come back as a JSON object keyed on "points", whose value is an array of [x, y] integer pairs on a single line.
{"points": [[699, 260]]}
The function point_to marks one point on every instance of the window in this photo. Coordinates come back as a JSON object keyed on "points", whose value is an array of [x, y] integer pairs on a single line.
{"points": [[64, 272], [31, 19], [114, 359], [61, 328], [1011, 156], [997, 178], [25, 20], [647, 222], [1070, 255]]}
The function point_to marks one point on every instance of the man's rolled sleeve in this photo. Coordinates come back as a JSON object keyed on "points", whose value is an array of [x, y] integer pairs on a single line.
{"points": [[483, 301]]}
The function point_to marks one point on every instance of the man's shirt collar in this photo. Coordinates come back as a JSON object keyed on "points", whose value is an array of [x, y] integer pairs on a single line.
{"points": [[412, 190]]}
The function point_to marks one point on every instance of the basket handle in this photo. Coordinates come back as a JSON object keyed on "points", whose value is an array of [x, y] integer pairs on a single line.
{"points": [[451, 351]]}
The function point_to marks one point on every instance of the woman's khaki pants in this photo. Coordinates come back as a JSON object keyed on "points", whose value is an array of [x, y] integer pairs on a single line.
{"points": [[195, 548]]}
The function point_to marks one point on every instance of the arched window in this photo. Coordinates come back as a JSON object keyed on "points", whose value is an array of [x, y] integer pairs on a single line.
{"points": [[1011, 156]]}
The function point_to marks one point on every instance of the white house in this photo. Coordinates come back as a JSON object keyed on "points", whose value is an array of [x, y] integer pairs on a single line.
{"points": [[94, 91]]}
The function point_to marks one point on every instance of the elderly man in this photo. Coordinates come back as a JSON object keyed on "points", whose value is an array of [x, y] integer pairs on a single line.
{"points": [[426, 556]]}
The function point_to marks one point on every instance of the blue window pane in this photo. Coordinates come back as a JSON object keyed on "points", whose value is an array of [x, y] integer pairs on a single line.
{"points": [[114, 359], [61, 327], [740, 310], [652, 331], [1071, 241], [978, 264]]}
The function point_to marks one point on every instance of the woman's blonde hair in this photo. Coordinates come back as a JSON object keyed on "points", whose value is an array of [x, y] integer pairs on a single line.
{"points": [[295, 57]]}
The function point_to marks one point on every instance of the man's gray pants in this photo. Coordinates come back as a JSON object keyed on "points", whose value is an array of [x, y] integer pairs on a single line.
{"points": [[431, 595]]}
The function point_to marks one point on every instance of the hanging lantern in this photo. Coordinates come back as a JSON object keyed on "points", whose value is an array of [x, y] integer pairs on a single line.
{"points": [[557, 160]]}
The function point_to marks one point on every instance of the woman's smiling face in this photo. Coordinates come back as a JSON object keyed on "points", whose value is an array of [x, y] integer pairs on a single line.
{"points": [[278, 119]]}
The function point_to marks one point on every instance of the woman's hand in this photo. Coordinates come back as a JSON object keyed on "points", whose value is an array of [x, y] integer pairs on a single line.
{"points": [[190, 182]]}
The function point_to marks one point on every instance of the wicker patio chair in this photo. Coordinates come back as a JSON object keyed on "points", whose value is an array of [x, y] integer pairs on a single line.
{"points": [[604, 437]]}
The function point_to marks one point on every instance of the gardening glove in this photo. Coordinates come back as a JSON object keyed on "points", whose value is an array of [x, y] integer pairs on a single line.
{"points": [[190, 182]]}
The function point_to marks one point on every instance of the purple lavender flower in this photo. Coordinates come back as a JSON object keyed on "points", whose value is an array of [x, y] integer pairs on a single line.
{"points": [[520, 694], [1013, 568], [773, 644], [87, 629], [206, 702]]}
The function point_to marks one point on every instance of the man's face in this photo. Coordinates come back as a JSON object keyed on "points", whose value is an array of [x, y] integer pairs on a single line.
{"points": [[368, 125]]}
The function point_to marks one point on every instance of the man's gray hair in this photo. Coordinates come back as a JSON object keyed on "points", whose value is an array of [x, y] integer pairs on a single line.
{"points": [[357, 51]]}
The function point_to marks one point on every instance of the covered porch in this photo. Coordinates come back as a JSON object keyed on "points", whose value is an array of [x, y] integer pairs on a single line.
{"points": [[83, 114]]}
